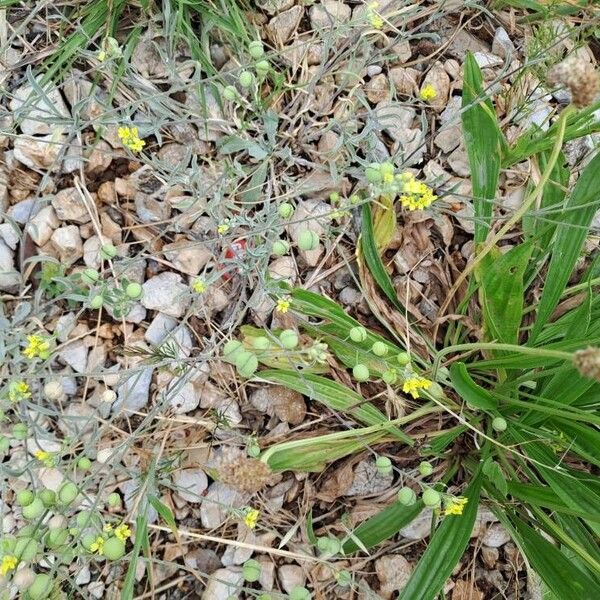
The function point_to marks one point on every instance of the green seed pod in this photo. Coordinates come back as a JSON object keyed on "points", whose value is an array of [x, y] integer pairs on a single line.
{"points": [[253, 449], [88, 518], [334, 546], [261, 343], [379, 349], [343, 578], [96, 302], [48, 497], [87, 539], [114, 500], [114, 548], [231, 350], [499, 424], [108, 251], [90, 276], [384, 465], [26, 549], [386, 169], [334, 197], [41, 587], [133, 290], [7, 544], [373, 173], [280, 248], [407, 496], [230, 93], [67, 555], [300, 593], [34, 510], [262, 68], [25, 497], [264, 597], [358, 334], [431, 497], [360, 372], [403, 358], [390, 376], [289, 339], [67, 493], [425, 468], [285, 210], [246, 79], [251, 570], [56, 538], [57, 522], [246, 364], [29, 531], [308, 240], [256, 49], [20, 431], [4, 444], [23, 579], [84, 463]]}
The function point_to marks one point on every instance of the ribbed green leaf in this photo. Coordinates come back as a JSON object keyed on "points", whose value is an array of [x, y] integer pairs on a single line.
{"points": [[474, 395]]}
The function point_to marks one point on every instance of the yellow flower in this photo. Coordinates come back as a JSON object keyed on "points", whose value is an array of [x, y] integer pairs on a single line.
{"points": [[9, 563], [223, 228], [18, 390], [283, 304], [37, 345], [101, 55], [414, 384], [415, 194], [251, 518], [199, 286], [428, 93], [107, 528], [455, 506], [42, 455], [130, 138], [98, 545], [122, 532]]}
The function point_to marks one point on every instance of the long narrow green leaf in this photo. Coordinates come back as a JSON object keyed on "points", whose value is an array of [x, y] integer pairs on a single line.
{"points": [[141, 532], [472, 393]]}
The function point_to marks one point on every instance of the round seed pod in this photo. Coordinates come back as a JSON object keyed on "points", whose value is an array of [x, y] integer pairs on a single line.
{"points": [[26, 549], [34, 510], [231, 349], [108, 251], [133, 290], [431, 497], [67, 493], [289, 339], [57, 522], [386, 169], [114, 548], [379, 349], [373, 173], [390, 376], [230, 93], [246, 364], [109, 396], [4, 444], [48, 497], [343, 578], [87, 539], [384, 465], [358, 334], [246, 79], [114, 500], [285, 210], [360, 372], [333, 546], [280, 248], [499, 424], [96, 302], [41, 587], [425, 468], [88, 518], [84, 463], [300, 593], [262, 67], [23, 579], [407, 496], [256, 49], [261, 343], [53, 390], [90, 276], [403, 358], [20, 431], [25, 497], [251, 570], [7, 544], [308, 240], [56, 538]]}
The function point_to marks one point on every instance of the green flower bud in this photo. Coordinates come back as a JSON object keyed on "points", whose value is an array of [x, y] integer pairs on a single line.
{"points": [[251, 570], [431, 497], [300, 593], [108, 251], [253, 449], [41, 587], [262, 67], [280, 248], [114, 500], [425, 468], [114, 548], [34, 510], [67, 493], [133, 290], [386, 168], [25, 497], [384, 465], [407, 496], [246, 364], [499, 424], [390, 376], [343, 578], [360, 372], [289, 339], [373, 173], [96, 302], [231, 350], [90, 276], [230, 93], [403, 358], [358, 334], [48, 497], [23, 579], [334, 197], [246, 79], [20, 431], [285, 210], [84, 463], [308, 240], [256, 49], [261, 343], [379, 349], [26, 549]]}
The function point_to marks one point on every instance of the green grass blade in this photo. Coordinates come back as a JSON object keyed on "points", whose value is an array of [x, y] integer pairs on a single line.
{"points": [[472, 393], [141, 532]]}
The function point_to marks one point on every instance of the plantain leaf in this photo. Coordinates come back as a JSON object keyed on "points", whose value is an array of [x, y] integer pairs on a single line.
{"points": [[473, 394]]}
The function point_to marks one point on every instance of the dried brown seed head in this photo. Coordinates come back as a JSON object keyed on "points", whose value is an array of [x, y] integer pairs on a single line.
{"points": [[243, 473], [579, 76], [588, 362]]}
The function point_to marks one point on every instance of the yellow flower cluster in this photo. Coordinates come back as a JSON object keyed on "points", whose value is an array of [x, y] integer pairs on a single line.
{"points": [[130, 138], [122, 532], [428, 93], [98, 545], [283, 305], [223, 227], [415, 194], [251, 518], [199, 286], [18, 390], [455, 506], [374, 17], [37, 345], [9, 563], [414, 384]]}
